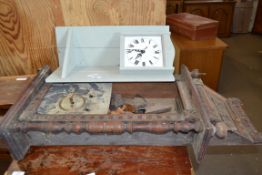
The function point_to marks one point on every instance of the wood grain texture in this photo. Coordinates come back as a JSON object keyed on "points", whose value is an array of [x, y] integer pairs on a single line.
{"points": [[13, 88], [105, 160], [27, 39], [113, 12]]}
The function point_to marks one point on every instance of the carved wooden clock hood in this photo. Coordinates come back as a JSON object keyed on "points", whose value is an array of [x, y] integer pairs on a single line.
{"points": [[103, 69]]}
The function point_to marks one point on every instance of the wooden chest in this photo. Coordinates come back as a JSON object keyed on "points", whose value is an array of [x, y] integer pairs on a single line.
{"points": [[193, 26]]}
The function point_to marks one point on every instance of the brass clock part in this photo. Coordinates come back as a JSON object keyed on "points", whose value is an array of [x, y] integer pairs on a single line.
{"points": [[72, 102], [82, 98]]}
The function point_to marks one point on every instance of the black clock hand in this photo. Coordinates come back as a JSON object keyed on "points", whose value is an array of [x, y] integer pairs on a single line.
{"points": [[138, 55], [136, 50]]}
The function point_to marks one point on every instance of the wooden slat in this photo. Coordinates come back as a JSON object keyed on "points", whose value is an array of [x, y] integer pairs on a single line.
{"points": [[27, 40], [12, 87], [149, 90]]}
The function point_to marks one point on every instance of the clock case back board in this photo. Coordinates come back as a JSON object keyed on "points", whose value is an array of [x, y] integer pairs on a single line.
{"points": [[95, 54]]}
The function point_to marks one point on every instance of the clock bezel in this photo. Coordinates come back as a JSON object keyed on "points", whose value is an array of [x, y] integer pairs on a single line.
{"points": [[122, 51]]}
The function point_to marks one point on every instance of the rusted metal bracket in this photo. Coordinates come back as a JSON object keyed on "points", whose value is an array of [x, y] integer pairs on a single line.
{"points": [[205, 118]]}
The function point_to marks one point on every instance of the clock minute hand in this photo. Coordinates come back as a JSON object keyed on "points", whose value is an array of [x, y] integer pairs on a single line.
{"points": [[141, 51], [136, 50]]}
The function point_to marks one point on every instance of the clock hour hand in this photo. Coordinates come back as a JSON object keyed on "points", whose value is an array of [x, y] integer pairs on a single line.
{"points": [[138, 55]]}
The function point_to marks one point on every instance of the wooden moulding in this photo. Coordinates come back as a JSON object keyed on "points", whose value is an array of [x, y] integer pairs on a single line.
{"points": [[201, 140], [205, 118], [18, 142], [21, 133]]}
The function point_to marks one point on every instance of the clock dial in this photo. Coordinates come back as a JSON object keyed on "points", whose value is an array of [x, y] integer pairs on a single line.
{"points": [[143, 51]]}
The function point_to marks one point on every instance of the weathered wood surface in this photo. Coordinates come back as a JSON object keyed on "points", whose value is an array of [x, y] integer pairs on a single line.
{"points": [[12, 88], [102, 160], [27, 40]]}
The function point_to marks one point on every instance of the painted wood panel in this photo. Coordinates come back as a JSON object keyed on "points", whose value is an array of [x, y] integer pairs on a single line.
{"points": [[27, 40]]}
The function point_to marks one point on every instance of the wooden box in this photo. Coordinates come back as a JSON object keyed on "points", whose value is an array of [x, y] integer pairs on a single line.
{"points": [[193, 27]]}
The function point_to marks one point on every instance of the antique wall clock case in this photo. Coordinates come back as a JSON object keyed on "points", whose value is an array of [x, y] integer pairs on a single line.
{"points": [[97, 66]]}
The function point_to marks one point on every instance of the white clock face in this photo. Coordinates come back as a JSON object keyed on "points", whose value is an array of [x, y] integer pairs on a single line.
{"points": [[143, 51]]}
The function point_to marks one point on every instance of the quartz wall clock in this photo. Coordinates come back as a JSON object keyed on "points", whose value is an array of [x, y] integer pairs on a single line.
{"points": [[146, 54], [114, 54], [143, 51]]}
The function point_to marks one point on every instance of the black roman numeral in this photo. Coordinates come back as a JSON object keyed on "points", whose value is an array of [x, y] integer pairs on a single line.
{"points": [[128, 51], [131, 45], [157, 51], [151, 62], [136, 41]]}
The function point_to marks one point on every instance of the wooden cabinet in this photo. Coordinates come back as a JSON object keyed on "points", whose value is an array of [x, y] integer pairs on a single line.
{"points": [[224, 14], [197, 9], [258, 21], [221, 11], [174, 6], [205, 55]]}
